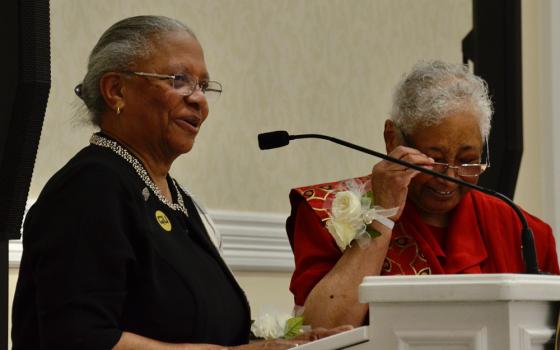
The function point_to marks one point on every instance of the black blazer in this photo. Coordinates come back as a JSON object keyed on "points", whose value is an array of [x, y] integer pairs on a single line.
{"points": [[97, 261]]}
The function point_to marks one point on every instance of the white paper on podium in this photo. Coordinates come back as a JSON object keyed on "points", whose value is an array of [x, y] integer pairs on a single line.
{"points": [[338, 341]]}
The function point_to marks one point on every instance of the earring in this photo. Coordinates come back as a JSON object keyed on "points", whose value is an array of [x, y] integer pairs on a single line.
{"points": [[118, 109]]}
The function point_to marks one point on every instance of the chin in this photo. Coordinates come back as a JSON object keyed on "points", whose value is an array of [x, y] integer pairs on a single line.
{"points": [[186, 148], [181, 146], [437, 207], [438, 210]]}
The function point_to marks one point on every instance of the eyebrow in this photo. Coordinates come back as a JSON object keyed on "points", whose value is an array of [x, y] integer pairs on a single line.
{"points": [[204, 77], [185, 70], [462, 148]]}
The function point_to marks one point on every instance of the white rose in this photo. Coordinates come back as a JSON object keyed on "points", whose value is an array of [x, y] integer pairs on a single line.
{"points": [[347, 206], [342, 232], [346, 221], [268, 326]]}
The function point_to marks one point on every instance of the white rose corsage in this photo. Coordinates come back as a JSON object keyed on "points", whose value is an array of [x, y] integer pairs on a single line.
{"points": [[351, 212]]}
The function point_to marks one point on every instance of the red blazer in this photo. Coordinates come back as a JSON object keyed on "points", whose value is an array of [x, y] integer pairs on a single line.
{"points": [[483, 236]]}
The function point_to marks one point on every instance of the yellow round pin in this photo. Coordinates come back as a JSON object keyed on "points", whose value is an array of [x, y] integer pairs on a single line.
{"points": [[163, 221]]}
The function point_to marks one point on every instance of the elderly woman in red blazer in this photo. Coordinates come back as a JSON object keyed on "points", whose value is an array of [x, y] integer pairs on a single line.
{"points": [[440, 120]]}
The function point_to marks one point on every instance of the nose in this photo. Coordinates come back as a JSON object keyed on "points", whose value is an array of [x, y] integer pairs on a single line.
{"points": [[197, 96], [452, 171], [197, 101]]}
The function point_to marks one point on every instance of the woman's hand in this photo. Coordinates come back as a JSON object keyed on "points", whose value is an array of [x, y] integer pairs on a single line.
{"points": [[273, 344], [320, 332], [390, 180], [283, 344]]}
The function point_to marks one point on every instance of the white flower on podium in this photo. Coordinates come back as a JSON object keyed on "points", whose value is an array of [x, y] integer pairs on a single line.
{"points": [[273, 325], [269, 326]]}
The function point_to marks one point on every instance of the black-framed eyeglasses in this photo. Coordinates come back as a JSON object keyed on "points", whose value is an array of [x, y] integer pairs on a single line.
{"points": [[467, 170], [186, 85]]}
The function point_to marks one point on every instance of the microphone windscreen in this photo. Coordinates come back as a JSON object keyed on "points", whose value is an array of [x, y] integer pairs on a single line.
{"points": [[273, 139]]}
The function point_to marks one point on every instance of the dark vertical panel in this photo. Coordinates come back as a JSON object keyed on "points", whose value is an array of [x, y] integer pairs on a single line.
{"points": [[494, 46], [24, 119], [10, 25], [26, 79]]}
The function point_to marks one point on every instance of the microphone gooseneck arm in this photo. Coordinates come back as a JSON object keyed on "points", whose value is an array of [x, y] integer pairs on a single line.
{"points": [[527, 241], [401, 162]]}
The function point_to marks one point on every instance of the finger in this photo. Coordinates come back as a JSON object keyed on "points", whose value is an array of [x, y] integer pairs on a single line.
{"points": [[344, 328], [400, 151], [323, 332], [419, 159], [395, 184], [320, 332], [410, 173], [393, 172]]}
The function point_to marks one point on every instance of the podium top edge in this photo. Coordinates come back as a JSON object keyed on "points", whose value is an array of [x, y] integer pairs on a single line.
{"points": [[472, 278], [471, 287]]}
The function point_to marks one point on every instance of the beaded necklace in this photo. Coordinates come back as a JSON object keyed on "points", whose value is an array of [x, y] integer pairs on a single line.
{"points": [[114, 146]]}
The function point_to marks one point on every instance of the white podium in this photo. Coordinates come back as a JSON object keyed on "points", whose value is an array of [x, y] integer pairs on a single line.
{"points": [[454, 312]]}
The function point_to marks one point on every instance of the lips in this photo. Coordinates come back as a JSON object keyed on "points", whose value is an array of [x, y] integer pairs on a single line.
{"points": [[443, 194], [190, 123]]}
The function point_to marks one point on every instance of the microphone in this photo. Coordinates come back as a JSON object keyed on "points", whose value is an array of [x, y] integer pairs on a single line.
{"points": [[275, 139]]}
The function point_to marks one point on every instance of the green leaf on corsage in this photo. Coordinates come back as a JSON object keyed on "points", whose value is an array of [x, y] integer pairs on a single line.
{"points": [[369, 195], [293, 327], [373, 233]]}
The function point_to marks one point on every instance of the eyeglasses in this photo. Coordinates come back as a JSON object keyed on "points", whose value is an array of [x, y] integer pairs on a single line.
{"points": [[463, 170], [468, 170], [186, 85]]}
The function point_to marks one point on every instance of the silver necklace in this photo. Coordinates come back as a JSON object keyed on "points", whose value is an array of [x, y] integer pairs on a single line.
{"points": [[141, 171]]}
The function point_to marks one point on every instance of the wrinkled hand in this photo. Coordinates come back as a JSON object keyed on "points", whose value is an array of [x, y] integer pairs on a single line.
{"points": [[274, 344], [319, 332], [390, 180], [283, 344]]}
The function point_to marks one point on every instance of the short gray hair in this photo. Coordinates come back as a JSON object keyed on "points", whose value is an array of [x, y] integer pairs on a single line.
{"points": [[118, 48], [433, 89]]}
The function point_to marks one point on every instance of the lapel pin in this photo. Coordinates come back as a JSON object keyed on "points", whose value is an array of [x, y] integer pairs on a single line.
{"points": [[163, 221], [145, 194]]}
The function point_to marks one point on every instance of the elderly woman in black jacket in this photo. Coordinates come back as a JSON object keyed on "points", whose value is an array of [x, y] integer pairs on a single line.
{"points": [[117, 255]]}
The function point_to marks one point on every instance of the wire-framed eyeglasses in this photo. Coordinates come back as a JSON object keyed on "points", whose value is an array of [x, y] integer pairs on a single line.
{"points": [[466, 170], [186, 84]]}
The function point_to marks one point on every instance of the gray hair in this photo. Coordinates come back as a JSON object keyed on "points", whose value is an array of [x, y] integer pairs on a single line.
{"points": [[433, 89], [118, 48]]}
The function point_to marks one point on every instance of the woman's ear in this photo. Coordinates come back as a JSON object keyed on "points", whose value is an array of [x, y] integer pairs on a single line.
{"points": [[392, 136], [112, 90]]}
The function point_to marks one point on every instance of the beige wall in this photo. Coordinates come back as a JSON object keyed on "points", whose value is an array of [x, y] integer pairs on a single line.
{"points": [[323, 66], [315, 65], [528, 192]]}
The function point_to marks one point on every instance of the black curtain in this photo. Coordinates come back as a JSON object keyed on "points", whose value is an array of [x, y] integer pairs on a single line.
{"points": [[494, 47], [26, 80]]}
